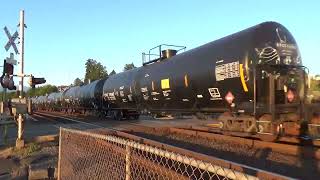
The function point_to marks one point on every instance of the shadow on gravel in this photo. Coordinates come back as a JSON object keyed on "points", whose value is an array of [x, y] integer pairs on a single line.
{"points": [[295, 167], [310, 163]]}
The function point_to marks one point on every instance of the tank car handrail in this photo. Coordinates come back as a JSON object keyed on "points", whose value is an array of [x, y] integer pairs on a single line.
{"points": [[159, 56], [282, 66], [181, 47]]}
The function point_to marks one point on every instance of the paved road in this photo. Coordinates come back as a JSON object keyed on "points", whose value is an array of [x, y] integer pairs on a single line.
{"points": [[39, 124]]}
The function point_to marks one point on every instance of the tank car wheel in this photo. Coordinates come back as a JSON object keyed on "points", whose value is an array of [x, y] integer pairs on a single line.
{"points": [[291, 125], [224, 115], [250, 124], [114, 115], [201, 116], [265, 128], [264, 124], [135, 117], [223, 121], [117, 115]]}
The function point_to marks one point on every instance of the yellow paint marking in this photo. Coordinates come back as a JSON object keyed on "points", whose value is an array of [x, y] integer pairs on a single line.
{"points": [[186, 84], [214, 125], [165, 84], [244, 85]]}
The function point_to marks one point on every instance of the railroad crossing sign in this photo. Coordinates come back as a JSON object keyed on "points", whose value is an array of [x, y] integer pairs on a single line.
{"points": [[11, 40], [11, 59]]}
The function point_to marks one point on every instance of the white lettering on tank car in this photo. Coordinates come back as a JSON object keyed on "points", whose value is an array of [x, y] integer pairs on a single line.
{"points": [[130, 97], [286, 45], [199, 96], [144, 89], [166, 93], [185, 100], [154, 93], [227, 71], [155, 99], [215, 94], [121, 94], [111, 96], [145, 97], [220, 61]]}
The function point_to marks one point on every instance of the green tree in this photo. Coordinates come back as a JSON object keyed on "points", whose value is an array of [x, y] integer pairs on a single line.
{"points": [[315, 85], [77, 82], [43, 90], [112, 73], [129, 66], [94, 70], [11, 95]]}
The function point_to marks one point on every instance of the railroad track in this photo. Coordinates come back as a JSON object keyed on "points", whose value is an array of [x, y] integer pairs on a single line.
{"points": [[280, 147], [286, 149], [287, 145], [64, 119], [294, 149], [284, 145], [213, 129]]}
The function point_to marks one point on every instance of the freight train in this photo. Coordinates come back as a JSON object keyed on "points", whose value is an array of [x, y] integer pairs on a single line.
{"points": [[254, 79]]}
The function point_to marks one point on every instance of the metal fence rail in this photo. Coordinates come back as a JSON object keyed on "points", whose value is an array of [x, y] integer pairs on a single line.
{"points": [[87, 155]]}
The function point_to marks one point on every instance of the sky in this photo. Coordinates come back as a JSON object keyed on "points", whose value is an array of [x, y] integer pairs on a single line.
{"points": [[62, 34]]}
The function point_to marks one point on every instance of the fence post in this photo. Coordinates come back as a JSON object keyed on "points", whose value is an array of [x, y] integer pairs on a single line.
{"points": [[128, 162], [59, 159]]}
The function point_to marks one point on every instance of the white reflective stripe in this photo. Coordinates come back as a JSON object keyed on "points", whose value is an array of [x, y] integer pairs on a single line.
{"points": [[264, 133], [313, 124], [264, 121]]}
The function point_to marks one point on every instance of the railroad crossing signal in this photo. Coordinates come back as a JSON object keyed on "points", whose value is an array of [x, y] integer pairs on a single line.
{"points": [[6, 80], [11, 60], [35, 81], [11, 40]]}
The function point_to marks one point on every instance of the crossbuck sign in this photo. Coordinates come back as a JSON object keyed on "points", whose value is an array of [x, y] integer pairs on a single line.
{"points": [[11, 40]]}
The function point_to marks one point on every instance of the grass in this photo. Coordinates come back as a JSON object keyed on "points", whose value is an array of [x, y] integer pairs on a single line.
{"points": [[28, 150]]}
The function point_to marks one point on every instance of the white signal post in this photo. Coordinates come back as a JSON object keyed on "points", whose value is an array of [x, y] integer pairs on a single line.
{"points": [[20, 141], [21, 63]]}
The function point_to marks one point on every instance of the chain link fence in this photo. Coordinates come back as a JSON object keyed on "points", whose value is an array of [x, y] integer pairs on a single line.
{"points": [[88, 155]]}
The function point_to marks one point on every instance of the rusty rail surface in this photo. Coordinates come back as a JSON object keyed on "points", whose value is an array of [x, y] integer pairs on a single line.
{"points": [[281, 140], [288, 149]]}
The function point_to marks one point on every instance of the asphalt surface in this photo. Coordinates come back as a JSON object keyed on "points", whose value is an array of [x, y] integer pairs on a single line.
{"points": [[48, 124]]}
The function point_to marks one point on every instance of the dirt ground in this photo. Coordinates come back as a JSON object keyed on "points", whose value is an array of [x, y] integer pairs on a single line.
{"points": [[15, 163]]}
